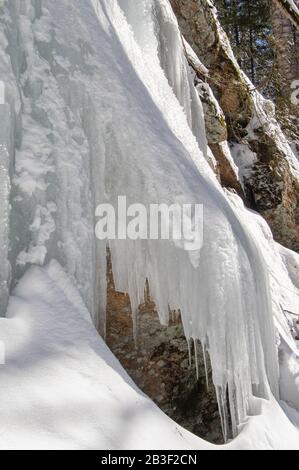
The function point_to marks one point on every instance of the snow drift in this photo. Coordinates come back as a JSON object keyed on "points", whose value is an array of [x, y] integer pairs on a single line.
{"points": [[101, 104]]}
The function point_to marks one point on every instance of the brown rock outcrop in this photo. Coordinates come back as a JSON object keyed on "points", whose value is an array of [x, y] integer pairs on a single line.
{"points": [[273, 187]]}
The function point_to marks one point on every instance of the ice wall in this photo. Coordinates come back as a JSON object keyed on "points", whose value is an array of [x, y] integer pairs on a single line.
{"points": [[103, 111], [52, 200]]}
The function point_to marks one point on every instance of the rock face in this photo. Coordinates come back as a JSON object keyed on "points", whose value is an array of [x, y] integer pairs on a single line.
{"points": [[290, 8], [273, 187], [216, 132], [157, 358], [198, 23], [216, 129], [286, 50], [228, 172], [215, 125]]}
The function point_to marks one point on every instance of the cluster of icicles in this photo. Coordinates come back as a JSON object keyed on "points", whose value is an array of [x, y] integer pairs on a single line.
{"points": [[224, 297]]}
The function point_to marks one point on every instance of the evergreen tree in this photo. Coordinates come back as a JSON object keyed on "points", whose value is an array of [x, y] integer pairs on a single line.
{"points": [[248, 25]]}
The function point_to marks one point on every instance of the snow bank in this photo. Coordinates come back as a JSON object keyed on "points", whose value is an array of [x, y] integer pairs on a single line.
{"points": [[61, 388]]}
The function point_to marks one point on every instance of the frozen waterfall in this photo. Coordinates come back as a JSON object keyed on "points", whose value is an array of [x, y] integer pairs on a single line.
{"points": [[105, 106]]}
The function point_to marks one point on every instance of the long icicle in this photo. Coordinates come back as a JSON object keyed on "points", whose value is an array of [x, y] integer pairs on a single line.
{"points": [[205, 363], [196, 358]]}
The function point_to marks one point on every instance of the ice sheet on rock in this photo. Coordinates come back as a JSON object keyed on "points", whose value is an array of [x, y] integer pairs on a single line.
{"points": [[281, 266], [157, 33], [289, 376], [264, 116]]}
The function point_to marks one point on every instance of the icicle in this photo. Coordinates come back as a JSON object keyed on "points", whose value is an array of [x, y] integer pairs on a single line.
{"points": [[135, 298], [196, 359], [232, 405], [223, 412], [189, 352], [205, 363]]}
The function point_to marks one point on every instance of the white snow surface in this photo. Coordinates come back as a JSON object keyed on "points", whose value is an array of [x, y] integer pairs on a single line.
{"points": [[99, 112], [61, 387]]}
